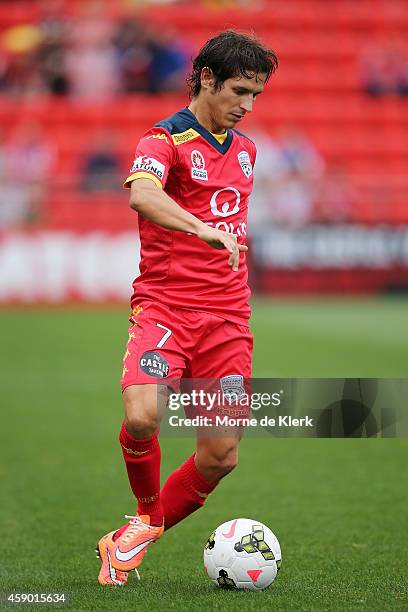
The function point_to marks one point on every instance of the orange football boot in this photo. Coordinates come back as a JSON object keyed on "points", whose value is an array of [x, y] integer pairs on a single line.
{"points": [[130, 548], [108, 574]]}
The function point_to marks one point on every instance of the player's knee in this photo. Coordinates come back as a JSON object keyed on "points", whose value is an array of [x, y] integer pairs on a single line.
{"points": [[141, 425], [141, 417], [225, 468], [219, 464], [228, 462]]}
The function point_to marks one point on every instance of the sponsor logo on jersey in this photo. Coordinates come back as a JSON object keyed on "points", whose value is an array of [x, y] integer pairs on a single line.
{"points": [[232, 387], [159, 136], [198, 170], [245, 163], [154, 364], [220, 205], [183, 137], [148, 164], [239, 228]]}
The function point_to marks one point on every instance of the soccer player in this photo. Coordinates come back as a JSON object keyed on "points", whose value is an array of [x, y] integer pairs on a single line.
{"points": [[190, 184]]}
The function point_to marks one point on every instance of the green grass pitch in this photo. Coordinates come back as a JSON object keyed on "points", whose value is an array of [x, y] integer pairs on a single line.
{"points": [[338, 507]]}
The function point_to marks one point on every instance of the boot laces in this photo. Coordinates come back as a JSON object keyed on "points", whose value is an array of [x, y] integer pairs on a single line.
{"points": [[135, 525]]}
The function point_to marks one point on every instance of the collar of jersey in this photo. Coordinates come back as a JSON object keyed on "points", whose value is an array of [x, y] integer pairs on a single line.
{"points": [[206, 134]]}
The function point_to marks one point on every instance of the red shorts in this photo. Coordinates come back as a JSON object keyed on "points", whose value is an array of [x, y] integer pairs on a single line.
{"points": [[166, 345]]}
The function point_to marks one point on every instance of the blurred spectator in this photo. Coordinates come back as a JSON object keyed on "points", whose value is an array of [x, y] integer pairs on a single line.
{"points": [[336, 197], [171, 58], [134, 54], [30, 160], [261, 207], [101, 168], [151, 60], [92, 59], [384, 68], [286, 178], [14, 205], [12, 200], [51, 55], [18, 68]]}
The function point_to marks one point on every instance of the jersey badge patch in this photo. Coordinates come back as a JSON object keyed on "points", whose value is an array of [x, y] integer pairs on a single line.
{"points": [[245, 163], [198, 170], [148, 164]]}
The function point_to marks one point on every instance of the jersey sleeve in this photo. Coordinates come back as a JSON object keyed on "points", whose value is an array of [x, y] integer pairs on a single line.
{"points": [[155, 154]]}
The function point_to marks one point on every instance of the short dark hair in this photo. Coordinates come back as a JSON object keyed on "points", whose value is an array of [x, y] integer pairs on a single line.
{"points": [[231, 54]]}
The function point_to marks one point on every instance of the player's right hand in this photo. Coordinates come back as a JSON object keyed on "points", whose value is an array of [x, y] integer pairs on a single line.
{"points": [[218, 239]]}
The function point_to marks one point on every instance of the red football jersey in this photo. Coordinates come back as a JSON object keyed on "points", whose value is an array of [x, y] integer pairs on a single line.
{"points": [[212, 181]]}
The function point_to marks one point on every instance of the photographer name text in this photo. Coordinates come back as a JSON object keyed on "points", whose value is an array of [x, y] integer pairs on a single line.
{"points": [[228, 421]]}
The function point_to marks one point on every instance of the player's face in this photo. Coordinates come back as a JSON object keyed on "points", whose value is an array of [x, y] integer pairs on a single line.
{"points": [[235, 99]]}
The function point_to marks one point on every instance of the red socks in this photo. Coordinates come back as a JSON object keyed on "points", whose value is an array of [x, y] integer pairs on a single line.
{"points": [[184, 491], [142, 458]]}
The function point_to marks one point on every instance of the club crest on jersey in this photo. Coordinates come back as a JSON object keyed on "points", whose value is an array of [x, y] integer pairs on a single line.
{"points": [[232, 387], [198, 170], [245, 163], [148, 164]]}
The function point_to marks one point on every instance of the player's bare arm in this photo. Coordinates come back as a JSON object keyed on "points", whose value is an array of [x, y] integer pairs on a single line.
{"points": [[154, 204]]}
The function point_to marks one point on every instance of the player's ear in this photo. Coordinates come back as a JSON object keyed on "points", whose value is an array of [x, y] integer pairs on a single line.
{"points": [[207, 78]]}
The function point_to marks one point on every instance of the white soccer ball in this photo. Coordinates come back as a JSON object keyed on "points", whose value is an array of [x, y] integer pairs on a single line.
{"points": [[242, 554]]}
